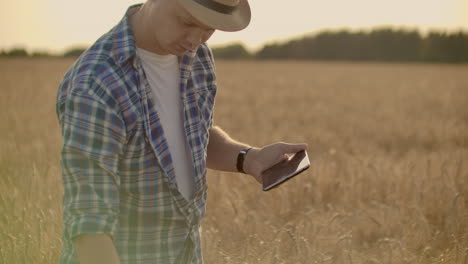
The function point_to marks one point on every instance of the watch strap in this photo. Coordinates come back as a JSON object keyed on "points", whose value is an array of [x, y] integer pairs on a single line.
{"points": [[241, 158]]}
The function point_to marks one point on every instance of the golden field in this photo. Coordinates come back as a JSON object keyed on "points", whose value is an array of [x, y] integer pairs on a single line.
{"points": [[388, 145]]}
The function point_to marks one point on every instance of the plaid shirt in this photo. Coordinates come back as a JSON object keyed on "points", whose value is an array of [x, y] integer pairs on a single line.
{"points": [[117, 171]]}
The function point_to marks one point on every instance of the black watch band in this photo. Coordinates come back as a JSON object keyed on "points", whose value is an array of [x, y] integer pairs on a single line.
{"points": [[241, 158]]}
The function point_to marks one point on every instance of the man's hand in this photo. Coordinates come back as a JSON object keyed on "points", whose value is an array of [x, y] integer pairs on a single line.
{"points": [[223, 152], [260, 159], [96, 249]]}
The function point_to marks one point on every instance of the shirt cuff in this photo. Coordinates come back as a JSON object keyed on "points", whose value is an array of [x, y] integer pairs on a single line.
{"points": [[89, 224]]}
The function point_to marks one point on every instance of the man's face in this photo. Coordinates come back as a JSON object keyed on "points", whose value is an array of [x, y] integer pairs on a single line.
{"points": [[175, 30]]}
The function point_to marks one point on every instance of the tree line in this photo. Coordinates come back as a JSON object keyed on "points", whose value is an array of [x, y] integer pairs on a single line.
{"points": [[22, 52], [384, 44]]}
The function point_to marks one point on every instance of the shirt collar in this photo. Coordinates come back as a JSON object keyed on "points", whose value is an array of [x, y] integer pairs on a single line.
{"points": [[123, 41]]}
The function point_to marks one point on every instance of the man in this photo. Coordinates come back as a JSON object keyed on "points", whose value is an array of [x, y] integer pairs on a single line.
{"points": [[136, 113]]}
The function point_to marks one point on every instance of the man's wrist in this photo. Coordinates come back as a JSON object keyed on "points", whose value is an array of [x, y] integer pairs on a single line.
{"points": [[241, 157], [249, 161]]}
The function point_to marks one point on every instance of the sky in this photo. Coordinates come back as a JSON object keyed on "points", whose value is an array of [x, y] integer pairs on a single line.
{"points": [[56, 25]]}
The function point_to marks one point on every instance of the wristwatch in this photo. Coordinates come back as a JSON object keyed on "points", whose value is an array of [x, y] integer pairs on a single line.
{"points": [[241, 158]]}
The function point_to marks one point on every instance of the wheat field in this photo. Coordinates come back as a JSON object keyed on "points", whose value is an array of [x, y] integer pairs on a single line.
{"points": [[388, 181]]}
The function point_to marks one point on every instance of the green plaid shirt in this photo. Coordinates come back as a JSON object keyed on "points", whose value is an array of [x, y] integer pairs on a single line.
{"points": [[117, 171]]}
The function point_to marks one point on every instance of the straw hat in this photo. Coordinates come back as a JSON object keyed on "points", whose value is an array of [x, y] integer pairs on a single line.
{"points": [[224, 15]]}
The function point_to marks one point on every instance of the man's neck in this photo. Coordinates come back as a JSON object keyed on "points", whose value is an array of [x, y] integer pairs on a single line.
{"points": [[141, 28]]}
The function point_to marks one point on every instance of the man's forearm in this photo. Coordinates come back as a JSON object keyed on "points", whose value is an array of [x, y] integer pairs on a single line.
{"points": [[96, 249], [223, 151]]}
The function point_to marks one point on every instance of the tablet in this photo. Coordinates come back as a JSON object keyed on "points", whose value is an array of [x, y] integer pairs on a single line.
{"points": [[285, 170]]}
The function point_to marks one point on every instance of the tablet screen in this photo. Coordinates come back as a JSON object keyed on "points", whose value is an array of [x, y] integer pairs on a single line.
{"points": [[285, 170]]}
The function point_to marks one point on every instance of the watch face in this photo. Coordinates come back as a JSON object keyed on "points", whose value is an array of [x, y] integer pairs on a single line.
{"points": [[244, 151]]}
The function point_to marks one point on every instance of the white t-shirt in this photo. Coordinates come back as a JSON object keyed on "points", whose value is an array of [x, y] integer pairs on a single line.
{"points": [[162, 72]]}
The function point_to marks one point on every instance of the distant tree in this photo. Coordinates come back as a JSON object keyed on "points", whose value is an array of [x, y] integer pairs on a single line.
{"points": [[16, 52], [74, 52], [273, 51], [394, 45], [444, 47], [233, 51], [40, 54]]}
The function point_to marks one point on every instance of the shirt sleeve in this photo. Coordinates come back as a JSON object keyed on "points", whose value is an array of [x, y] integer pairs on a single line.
{"points": [[93, 139], [207, 53]]}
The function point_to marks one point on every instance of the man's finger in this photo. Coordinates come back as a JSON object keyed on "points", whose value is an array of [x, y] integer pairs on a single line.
{"points": [[281, 158], [293, 148]]}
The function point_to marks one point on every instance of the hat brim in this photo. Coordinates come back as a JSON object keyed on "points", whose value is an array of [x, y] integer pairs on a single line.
{"points": [[235, 21]]}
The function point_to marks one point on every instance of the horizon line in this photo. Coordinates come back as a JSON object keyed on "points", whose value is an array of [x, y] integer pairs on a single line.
{"points": [[362, 29]]}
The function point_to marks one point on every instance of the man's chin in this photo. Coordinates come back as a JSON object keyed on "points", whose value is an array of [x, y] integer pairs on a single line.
{"points": [[177, 50]]}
